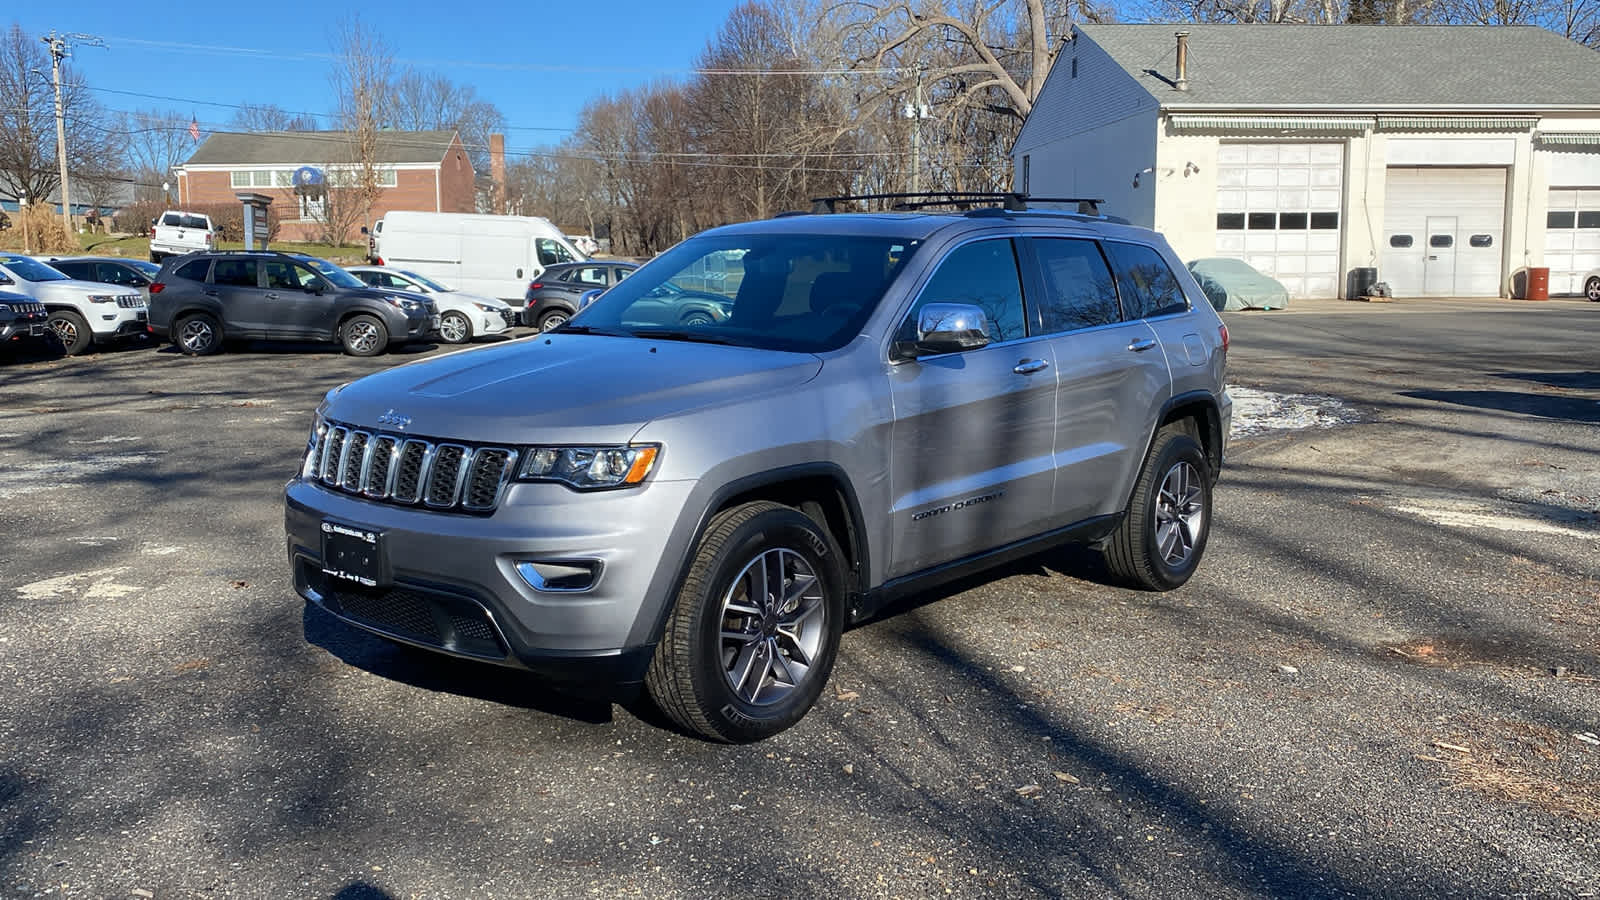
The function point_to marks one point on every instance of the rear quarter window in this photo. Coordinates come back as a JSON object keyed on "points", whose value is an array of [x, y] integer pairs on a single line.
{"points": [[1145, 280]]}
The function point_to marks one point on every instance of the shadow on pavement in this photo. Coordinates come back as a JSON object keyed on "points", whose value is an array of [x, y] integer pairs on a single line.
{"points": [[1575, 409]]}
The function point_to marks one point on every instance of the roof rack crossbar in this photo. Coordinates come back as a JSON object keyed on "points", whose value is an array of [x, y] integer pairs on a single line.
{"points": [[1011, 201]]}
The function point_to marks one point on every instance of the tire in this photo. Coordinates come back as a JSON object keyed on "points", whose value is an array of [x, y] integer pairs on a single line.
{"points": [[1591, 289], [698, 319], [198, 335], [1162, 536], [363, 335], [704, 675], [72, 330], [455, 328], [553, 319]]}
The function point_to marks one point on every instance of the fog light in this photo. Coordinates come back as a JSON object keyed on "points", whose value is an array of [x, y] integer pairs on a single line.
{"points": [[558, 575]]}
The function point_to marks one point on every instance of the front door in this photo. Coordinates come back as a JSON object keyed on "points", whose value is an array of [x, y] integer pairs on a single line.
{"points": [[1439, 267], [970, 464], [295, 311]]}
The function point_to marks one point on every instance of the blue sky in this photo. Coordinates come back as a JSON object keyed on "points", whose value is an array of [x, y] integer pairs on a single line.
{"points": [[538, 61]]}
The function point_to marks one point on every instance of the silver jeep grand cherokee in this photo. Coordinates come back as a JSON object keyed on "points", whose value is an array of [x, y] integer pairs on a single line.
{"points": [[701, 506]]}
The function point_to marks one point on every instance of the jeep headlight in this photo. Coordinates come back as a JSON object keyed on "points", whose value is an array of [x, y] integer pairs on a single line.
{"points": [[313, 447], [5, 307], [589, 468], [102, 298]]}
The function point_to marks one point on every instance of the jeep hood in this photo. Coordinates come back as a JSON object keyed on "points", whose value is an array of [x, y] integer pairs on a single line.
{"points": [[564, 388]]}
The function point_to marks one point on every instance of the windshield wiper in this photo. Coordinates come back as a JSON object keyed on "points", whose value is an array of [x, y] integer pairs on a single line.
{"points": [[585, 329], [676, 334]]}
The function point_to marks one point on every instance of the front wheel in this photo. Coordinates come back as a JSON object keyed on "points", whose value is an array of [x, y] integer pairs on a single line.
{"points": [[363, 335], [755, 629], [553, 319], [454, 328], [72, 330], [1591, 289], [1162, 536]]}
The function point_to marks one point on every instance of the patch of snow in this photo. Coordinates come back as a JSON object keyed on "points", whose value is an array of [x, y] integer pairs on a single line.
{"points": [[1256, 411], [103, 585], [111, 439], [1467, 516]]}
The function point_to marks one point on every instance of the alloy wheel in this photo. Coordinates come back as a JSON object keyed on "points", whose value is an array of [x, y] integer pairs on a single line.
{"points": [[66, 331], [1180, 514], [196, 335], [453, 328], [1591, 289], [552, 322], [774, 624], [363, 336]]}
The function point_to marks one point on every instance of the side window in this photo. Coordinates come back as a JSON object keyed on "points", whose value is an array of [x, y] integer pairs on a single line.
{"points": [[1079, 292], [373, 278], [235, 272], [196, 222], [981, 274], [1148, 286], [171, 219], [111, 273], [592, 275], [75, 270], [620, 273], [195, 270], [282, 275], [551, 252]]}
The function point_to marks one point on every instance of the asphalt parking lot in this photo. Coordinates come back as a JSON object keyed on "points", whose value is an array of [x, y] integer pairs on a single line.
{"points": [[1385, 679]]}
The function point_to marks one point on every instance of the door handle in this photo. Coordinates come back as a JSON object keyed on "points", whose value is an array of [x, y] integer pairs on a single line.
{"points": [[272, 295], [211, 293], [1030, 366], [1142, 344]]}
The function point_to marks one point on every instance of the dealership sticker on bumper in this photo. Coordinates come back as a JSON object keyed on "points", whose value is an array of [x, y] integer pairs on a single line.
{"points": [[353, 554]]}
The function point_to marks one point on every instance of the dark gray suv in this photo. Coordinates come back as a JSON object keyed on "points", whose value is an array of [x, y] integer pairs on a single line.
{"points": [[199, 300], [894, 400]]}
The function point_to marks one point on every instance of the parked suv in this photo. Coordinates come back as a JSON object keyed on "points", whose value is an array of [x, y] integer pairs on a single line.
{"points": [[129, 273], [82, 313], [200, 300], [895, 400], [174, 233], [23, 318]]}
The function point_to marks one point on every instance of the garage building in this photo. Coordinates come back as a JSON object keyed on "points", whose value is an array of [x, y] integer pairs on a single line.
{"points": [[1321, 153]]}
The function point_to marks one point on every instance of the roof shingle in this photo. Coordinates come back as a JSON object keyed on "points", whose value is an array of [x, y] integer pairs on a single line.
{"points": [[1343, 66], [316, 148]]}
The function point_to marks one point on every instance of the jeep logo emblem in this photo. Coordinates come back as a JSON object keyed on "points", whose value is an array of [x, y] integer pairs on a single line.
{"points": [[394, 419]]}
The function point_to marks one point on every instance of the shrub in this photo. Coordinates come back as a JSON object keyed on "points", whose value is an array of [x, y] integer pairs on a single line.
{"points": [[44, 230]]}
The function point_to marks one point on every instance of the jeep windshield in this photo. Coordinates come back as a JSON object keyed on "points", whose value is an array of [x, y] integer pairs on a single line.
{"points": [[805, 293], [30, 270]]}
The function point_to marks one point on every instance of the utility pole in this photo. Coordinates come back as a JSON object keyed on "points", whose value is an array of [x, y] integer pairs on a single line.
{"points": [[60, 48], [916, 111]]}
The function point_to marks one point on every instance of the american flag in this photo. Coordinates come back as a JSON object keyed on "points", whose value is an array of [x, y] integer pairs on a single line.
{"points": [[194, 128]]}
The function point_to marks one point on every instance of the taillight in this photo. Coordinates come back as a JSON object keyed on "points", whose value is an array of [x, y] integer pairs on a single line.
{"points": [[157, 287], [1223, 330], [381, 262]]}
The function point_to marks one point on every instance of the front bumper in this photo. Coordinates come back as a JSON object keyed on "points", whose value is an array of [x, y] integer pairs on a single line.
{"points": [[453, 584], [36, 327], [120, 322]]}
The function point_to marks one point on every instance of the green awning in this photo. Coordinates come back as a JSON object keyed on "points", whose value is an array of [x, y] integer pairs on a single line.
{"points": [[1456, 123], [1569, 138], [1269, 124]]}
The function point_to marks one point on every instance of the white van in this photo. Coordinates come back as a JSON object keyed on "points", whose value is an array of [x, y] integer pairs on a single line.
{"points": [[495, 256]]}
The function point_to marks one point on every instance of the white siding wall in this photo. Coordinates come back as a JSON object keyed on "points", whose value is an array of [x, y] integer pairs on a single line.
{"points": [[1186, 205], [1088, 135]]}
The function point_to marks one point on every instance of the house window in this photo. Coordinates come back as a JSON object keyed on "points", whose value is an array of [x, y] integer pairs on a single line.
{"points": [[1400, 241], [1481, 240], [239, 179], [1026, 165], [1560, 219], [1074, 67]]}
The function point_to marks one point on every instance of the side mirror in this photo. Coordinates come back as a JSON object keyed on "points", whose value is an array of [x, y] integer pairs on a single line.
{"points": [[588, 297], [6, 279], [316, 286], [949, 328]]}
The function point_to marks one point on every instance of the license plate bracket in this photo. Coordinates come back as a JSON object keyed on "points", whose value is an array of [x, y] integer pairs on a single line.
{"points": [[355, 554]]}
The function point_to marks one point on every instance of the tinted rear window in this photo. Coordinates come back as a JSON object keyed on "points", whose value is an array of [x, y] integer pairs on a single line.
{"points": [[75, 269], [195, 222], [171, 219], [1148, 286], [193, 270], [235, 272]]}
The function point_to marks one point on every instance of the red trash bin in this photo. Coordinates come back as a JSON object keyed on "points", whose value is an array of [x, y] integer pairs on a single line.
{"points": [[1538, 283]]}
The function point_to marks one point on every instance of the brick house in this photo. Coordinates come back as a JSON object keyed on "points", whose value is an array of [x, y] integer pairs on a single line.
{"points": [[419, 170]]}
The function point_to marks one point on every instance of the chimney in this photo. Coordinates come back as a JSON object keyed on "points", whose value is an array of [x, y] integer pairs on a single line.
{"points": [[1182, 83], [497, 170]]}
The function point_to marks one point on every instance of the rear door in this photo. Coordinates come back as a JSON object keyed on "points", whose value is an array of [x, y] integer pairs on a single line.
{"points": [[1111, 375], [235, 283], [970, 464]]}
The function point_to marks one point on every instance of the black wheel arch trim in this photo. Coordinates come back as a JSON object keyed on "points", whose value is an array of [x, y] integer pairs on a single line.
{"points": [[755, 482]]}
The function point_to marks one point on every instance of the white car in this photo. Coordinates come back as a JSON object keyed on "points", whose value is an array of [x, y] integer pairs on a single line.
{"points": [[82, 313], [462, 316]]}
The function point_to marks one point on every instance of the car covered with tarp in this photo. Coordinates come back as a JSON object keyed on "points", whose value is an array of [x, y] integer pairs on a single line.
{"points": [[1234, 284]]}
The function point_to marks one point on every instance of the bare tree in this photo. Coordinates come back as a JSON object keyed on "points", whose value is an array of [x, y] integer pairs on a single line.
{"points": [[153, 142], [421, 101], [28, 162], [361, 81], [270, 117]]}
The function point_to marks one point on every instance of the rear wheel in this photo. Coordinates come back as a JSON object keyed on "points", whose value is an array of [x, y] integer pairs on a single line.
{"points": [[553, 319], [1163, 534], [198, 335], [72, 330], [698, 319], [363, 335], [155, 257], [754, 631], [454, 328], [1591, 289]]}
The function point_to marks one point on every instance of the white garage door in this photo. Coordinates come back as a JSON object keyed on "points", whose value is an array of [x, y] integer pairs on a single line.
{"points": [[1442, 231], [1278, 210], [1572, 237]]}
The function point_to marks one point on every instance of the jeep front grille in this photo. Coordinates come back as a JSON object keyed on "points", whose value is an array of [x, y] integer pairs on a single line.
{"points": [[130, 301], [412, 471]]}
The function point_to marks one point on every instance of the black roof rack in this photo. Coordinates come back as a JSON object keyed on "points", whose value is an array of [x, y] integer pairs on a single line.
{"points": [[1010, 201]]}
